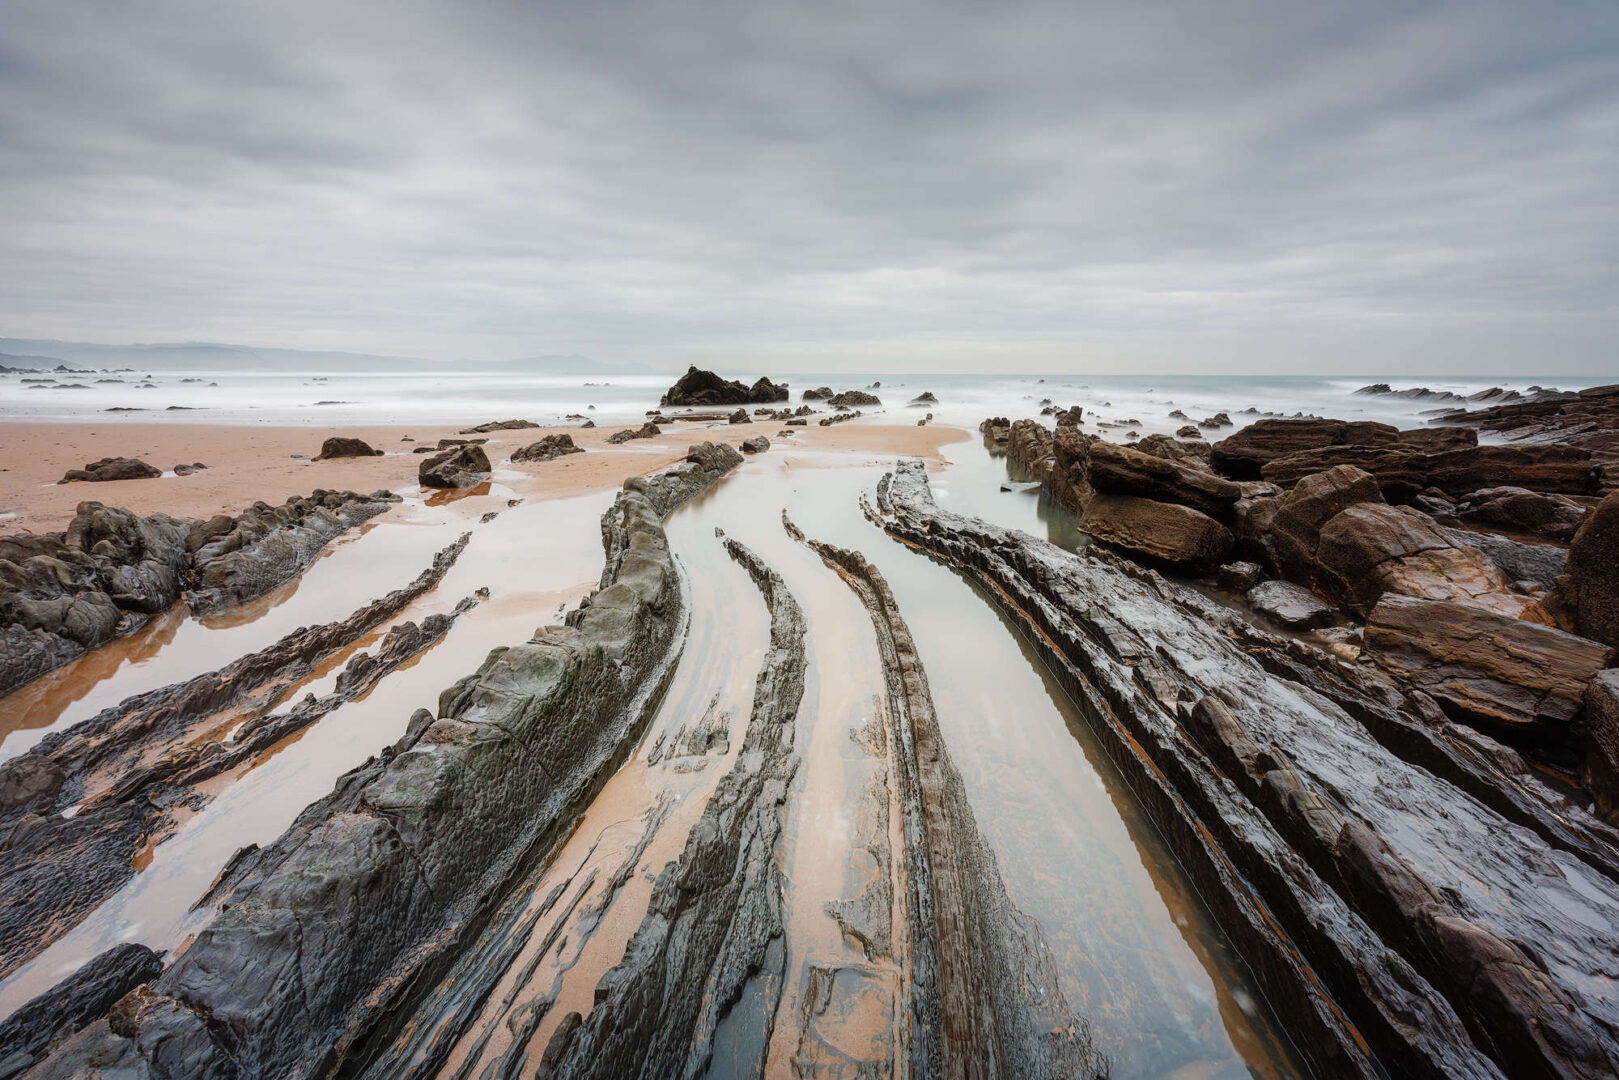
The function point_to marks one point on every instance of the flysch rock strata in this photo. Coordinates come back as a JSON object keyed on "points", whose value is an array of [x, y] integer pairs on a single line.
{"points": [[326, 938]]}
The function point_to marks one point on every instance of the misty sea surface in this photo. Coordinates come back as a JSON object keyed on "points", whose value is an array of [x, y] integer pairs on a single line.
{"points": [[343, 399]]}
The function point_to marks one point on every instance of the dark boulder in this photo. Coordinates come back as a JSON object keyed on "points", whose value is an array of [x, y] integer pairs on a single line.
{"points": [[924, 398], [1593, 567], [698, 387], [339, 446], [851, 399], [820, 393], [1295, 528], [548, 448], [756, 445], [996, 430], [118, 468], [458, 467], [741, 417], [1240, 576]]}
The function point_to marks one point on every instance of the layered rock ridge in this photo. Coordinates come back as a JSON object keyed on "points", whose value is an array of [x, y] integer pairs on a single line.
{"points": [[1409, 896], [325, 937]]}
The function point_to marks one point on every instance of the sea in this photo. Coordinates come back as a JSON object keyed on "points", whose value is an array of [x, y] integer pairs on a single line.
{"points": [[335, 398]]}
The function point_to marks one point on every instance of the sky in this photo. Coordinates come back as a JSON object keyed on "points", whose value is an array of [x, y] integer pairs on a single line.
{"points": [[1213, 186]]}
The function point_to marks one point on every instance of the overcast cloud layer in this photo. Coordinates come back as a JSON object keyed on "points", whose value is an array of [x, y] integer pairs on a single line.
{"points": [[1242, 187]]}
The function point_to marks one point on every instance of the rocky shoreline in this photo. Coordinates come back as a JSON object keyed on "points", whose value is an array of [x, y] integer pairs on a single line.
{"points": [[324, 936], [109, 571], [1391, 915]]}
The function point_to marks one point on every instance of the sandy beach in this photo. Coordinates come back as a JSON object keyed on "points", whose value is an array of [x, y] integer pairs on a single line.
{"points": [[246, 464]]}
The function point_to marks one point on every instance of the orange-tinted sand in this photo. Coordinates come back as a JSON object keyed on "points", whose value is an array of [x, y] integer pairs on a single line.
{"points": [[247, 464]]}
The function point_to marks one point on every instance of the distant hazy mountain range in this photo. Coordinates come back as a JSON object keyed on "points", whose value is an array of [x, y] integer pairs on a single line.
{"points": [[26, 352]]}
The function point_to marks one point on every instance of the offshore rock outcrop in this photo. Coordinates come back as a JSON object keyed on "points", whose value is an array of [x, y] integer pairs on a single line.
{"points": [[714, 923], [133, 772], [1588, 420], [1410, 897], [698, 387], [326, 937], [983, 998]]}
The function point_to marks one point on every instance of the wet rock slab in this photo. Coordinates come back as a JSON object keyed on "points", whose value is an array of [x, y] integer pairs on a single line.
{"points": [[1412, 898]]}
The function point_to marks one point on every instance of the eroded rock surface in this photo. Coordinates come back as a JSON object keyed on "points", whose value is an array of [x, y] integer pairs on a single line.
{"points": [[234, 560], [326, 936], [1593, 566], [715, 918], [339, 446], [118, 468], [698, 387], [133, 772], [1495, 670], [548, 449], [1412, 898], [456, 468]]}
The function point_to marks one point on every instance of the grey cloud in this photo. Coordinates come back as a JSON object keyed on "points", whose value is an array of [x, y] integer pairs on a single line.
{"points": [[1184, 186]]}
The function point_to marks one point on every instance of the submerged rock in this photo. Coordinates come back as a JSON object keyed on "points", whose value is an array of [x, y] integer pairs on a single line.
{"points": [[850, 399], [756, 445]]}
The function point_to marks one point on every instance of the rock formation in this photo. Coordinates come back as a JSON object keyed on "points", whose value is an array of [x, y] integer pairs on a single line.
{"points": [[698, 387], [1412, 899], [647, 430], [850, 399], [326, 934], [548, 448], [1593, 566], [118, 468], [138, 769], [458, 467], [339, 446]]}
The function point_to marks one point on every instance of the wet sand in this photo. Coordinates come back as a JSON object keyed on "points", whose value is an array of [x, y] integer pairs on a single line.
{"points": [[248, 463]]}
